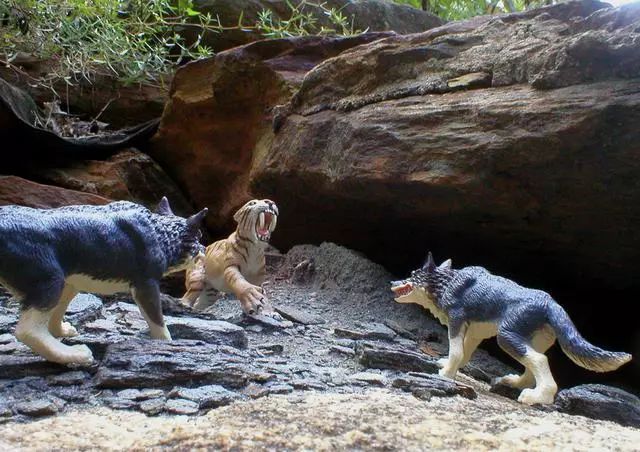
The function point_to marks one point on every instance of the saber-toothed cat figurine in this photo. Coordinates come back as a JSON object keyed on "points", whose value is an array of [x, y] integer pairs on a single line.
{"points": [[476, 305], [236, 264], [48, 255]]}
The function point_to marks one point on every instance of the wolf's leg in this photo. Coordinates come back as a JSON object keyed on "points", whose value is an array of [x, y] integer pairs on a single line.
{"points": [[33, 326], [56, 326], [541, 341], [456, 351], [471, 343], [535, 363], [147, 296]]}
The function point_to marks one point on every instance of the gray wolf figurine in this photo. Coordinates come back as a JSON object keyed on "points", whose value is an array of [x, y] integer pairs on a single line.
{"points": [[236, 264], [476, 305], [48, 255]]}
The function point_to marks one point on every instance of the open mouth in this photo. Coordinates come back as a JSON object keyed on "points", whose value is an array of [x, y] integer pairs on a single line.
{"points": [[401, 288], [265, 225]]}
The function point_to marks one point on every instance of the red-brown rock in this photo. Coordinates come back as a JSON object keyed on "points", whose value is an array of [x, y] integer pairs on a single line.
{"points": [[16, 190]]}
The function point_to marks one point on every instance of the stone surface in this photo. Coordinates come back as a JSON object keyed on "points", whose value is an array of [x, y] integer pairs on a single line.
{"points": [[298, 316], [84, 308], [423, 386], [181, 406], [128, 175], [377, 419], [149, 363], [379, 357], [18, 365], [152, 407], [220, 107], [372, 15], [16, 190], [210, 331], [68, 378], [7, 323], [37, 408], [140, 394], [368, 378], [601, 402], [209, 396]]}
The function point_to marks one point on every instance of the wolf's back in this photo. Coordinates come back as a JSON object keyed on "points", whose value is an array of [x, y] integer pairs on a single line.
{"points": [[578, 349]]}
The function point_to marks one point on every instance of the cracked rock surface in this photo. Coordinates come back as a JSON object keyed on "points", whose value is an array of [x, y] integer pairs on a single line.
{"points": [[346, 349]]}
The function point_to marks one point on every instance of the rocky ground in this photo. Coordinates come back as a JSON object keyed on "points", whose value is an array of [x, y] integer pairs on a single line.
{"points": [[346, 368]]}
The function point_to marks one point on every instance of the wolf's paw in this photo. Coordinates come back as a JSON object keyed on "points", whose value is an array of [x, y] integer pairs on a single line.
{"points": [[65, 329], [81, 354], [448, 373], [442, 362], [534, 396], [515, 381]]}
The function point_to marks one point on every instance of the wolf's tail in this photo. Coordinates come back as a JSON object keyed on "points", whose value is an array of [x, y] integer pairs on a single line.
{"points": [[578, 349]]}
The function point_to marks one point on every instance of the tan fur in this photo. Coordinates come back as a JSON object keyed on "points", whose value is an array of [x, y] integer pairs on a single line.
{"points": [[234, 265]]}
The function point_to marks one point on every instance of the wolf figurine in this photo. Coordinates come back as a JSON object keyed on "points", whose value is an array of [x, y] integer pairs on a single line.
{"points": [[476, 305], [48, 255]]}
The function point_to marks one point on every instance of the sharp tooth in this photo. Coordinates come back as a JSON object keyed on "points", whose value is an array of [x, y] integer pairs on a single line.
{"points": [[261, 220], [274, 220]]}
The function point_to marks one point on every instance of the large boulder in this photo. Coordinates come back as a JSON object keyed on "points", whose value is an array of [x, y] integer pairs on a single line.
{"points": [[220, 114], [16, 190], [128, 175], [363, 15]]}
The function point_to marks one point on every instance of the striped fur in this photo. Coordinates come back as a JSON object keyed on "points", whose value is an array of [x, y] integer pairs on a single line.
{"points": [[236, 264]]}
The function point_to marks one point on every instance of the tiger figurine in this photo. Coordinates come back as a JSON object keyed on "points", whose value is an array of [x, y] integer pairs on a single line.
{"points": [[236, 264]]}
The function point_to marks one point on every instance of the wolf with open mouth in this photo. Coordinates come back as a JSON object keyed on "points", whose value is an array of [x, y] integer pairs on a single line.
{"points": [[236, 264], [476, 305]]}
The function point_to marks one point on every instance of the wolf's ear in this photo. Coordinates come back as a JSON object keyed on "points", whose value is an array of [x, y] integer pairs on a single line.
{"points": [[429, 265], [445, 265], [194, 221], [163, 207]]}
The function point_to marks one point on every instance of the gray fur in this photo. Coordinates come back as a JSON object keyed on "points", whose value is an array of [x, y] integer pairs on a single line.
{"points": [[118, 242], [473, 294]]}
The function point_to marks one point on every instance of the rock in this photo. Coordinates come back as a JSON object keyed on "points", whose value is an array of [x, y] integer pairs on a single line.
{"points": [[295, 315], [484, 367], [7, 338], [152, 407], [7, 323], [128, 175], [210, 396], [379, 357], [270, 349], [150, 363], [401, 330], [504, 390], [270, 321], [368, 378], [342, 350], [601, 402], [73, 394], [120, 404], [140, 394], [423, 386], [18, 366], [77, 377], [181, 406], [84, 308], [16, 190], [219, 106], [98, 343], [369, 331], [210, 331], [8, 348], [257, 391], [373, 15], [378, 145], [101, 325], [37, 408], [5, 411]]}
